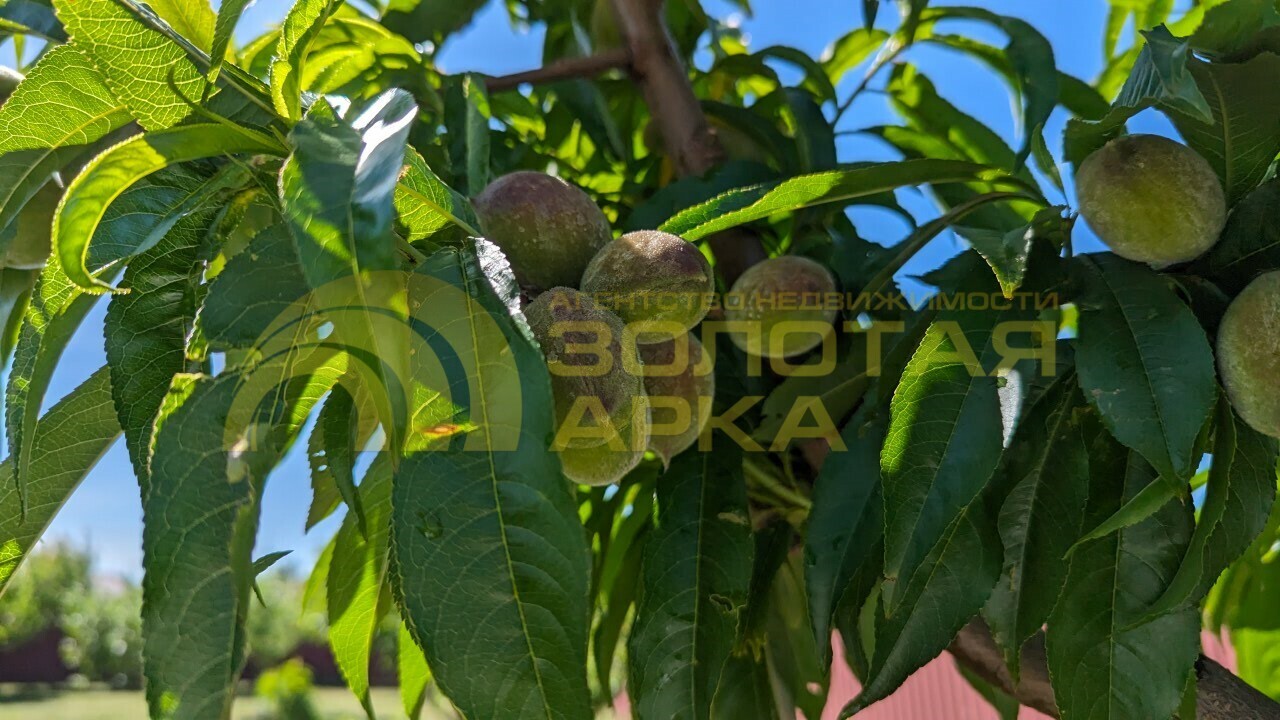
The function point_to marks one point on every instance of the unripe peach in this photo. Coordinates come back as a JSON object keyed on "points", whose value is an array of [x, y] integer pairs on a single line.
{"points": [[548, 228], [591, 381], [651, 276], [610, 462], [677, 378], [1249, 354], [1152, 200], [781, 307]]}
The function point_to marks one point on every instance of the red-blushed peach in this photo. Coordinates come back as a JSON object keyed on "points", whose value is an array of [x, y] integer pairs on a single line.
{"points": [[548, 228]]}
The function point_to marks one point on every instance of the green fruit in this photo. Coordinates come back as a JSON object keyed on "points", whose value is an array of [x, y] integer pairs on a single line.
{"points": [[561, 319], [1152, 200], [651, 276], [781, 307], [1249, 354], [687, 382], [608, 463], [548, 228]]}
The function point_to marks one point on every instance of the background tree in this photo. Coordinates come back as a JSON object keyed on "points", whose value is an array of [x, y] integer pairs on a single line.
{"points": [[267, 222]]}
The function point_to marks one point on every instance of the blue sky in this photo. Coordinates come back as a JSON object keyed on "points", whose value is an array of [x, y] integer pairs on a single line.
{"points": [[106, 513]]}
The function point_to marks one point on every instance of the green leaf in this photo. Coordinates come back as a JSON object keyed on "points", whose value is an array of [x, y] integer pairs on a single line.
{"points": [[148, 71], [1154, 495], [1232, 28], [429, 209], [933, 608], [792, 652], [300, 28], [229, 12], [493, 583], [70, 439], [1241, 491], [851, 50], [1258, 658], [1008, 252], [1250, 243], [15, 295], [478, 115], [341, 431], [58, 306], [215, 442], [32, 17], [1103, 667], [944, 439], [1031, 57], [745, 692], [1144, 362], [256, 287], [192, 19], [745, 205], [54, 117], [1240, 140], [414, 674], [429, 21], [1161, 78], [357, 580], [147, 329], [846, 520], [337, 197], [1047, 467], [695, 575], [112, 173]]}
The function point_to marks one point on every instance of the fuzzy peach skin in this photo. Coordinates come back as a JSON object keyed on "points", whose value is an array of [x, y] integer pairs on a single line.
{"points": [[1249, 354]]}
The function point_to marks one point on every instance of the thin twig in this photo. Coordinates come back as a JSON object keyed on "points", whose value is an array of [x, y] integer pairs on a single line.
{"points": [[568, 68]]}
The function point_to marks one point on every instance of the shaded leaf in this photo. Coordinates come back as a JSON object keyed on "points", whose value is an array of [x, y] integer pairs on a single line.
{"points": [[428, 21], [70, 440], [147, 329], [1047, 469], [1242, 138], [33, 17], [1250, 243], [108, 176], [1104, 667], [493, 584], [695, 576], [58, 306], [933, 471], [846, 520], [215, 441], [1241, 491], [1144, 362]]}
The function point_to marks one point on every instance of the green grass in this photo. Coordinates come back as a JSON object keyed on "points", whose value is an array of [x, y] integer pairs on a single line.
{"points": [[332, 703]]}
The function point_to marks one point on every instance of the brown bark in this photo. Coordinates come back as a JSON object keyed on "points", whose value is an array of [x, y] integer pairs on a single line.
{"points": [[686, 135], [1220, 694], [569, 68]]}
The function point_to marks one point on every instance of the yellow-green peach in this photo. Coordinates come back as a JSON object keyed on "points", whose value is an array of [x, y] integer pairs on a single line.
{"points": [[680, 383], [1152, 200], [1249, 354]]}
